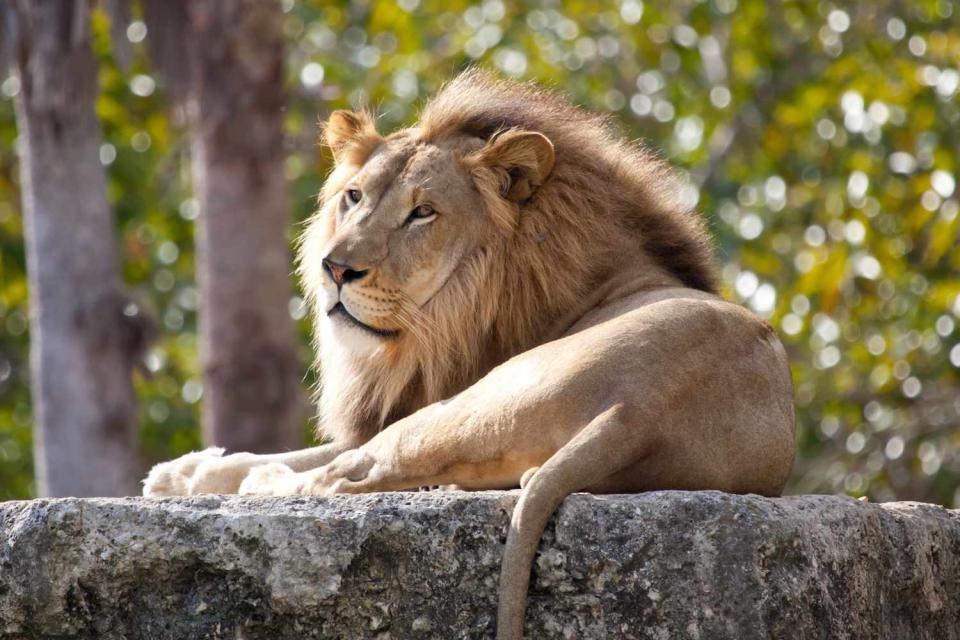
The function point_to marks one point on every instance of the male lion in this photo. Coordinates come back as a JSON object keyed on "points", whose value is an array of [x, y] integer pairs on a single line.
{"points": [[507, 294]]}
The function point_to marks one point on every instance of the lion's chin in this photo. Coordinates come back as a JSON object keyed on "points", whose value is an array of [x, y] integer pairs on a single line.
{"points": [[339, 314]]}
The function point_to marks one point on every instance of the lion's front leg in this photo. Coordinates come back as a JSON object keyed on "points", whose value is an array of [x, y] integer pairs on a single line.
{"points": [[436, 446], [486, 437]]}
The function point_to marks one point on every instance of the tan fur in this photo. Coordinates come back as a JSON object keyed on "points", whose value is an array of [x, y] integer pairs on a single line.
{"points": [[603, 198], [550, 321]]}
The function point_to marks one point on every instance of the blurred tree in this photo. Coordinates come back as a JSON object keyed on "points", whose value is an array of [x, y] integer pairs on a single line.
{"points": [[820, 139], [87, 335], [232, 76]]}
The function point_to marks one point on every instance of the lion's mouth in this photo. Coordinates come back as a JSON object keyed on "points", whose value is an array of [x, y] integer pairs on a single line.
{"points": [[340, 312]]}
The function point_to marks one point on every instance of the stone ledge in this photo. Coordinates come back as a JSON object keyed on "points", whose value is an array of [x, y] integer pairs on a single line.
{"points": [[425, 565]]}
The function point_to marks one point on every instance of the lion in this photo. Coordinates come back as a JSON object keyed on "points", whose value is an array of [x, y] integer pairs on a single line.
{"points": [[507, 294]]}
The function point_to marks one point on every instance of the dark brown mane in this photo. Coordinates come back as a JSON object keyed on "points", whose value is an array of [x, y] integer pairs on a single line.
{"points": [[606, 177]]}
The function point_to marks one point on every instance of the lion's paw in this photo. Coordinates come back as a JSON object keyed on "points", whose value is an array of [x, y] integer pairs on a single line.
{"points": [[173, 478], [272, 479], [223, 475], [354, 471]]}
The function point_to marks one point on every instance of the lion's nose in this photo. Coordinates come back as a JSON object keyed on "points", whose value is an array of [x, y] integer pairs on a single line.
{"points": [[342, 273]]}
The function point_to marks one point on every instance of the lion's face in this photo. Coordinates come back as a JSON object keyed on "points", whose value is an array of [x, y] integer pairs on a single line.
{"points": [[392, 234], [398, 217]]}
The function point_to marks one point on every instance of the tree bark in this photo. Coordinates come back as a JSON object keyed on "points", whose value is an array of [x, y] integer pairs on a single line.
{"points": [[86, 335], [252, 375]]}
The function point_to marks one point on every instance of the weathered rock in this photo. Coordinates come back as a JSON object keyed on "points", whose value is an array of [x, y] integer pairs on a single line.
{"points": [[425, 565]]}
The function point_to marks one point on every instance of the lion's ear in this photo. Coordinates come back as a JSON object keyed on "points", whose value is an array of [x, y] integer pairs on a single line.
{"points": [[522, 160], [351, 133]]}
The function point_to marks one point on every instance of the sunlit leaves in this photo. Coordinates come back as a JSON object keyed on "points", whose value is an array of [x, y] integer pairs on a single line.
{"points": [[819, 138]]}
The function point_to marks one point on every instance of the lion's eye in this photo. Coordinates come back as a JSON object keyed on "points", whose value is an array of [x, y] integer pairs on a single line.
{"points": [[353, 196], [421, 213]]}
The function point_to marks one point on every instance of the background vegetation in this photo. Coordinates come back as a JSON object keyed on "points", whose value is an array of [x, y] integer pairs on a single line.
{"points": [[820, 139]]}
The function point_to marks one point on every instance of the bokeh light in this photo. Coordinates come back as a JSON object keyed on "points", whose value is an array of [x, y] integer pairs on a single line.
{"points": [[819, 139]]}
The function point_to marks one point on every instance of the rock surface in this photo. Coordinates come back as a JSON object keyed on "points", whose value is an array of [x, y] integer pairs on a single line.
{"points": [[425, 565]]}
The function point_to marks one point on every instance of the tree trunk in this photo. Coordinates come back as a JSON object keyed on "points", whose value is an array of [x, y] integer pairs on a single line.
{"points": [[86, 336], [252, 374]]}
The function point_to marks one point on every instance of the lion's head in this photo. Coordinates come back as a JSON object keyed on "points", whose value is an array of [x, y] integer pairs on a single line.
{"points": [[400, 218], [441, 250]]}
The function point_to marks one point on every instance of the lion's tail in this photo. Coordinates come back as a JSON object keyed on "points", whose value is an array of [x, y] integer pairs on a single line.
{"points": [[600, 449]]}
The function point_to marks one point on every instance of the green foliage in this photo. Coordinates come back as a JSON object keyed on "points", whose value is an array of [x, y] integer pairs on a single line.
{"points": [[819, 139], [16, 468]]}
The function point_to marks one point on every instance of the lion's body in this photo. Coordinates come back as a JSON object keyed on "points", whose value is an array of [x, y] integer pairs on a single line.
{"points": [[604, 200], [551, 322]]}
